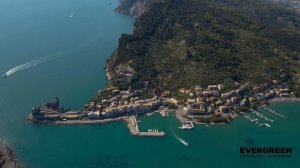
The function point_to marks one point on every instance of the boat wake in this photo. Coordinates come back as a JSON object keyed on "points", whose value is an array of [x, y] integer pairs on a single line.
{"points": [[26, 66], [48, 58], [71, 15], [182, 141]]}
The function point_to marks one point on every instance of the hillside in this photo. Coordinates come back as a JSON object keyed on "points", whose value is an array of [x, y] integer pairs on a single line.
{"points": [[182, 43]]}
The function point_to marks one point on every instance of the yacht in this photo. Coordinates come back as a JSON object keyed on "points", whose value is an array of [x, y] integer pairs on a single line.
{"points": [[266, 124]]}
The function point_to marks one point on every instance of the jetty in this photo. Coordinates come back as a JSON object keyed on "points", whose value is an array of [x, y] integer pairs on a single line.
{"points": [[132, 124], [274, 112], [261, 115]]}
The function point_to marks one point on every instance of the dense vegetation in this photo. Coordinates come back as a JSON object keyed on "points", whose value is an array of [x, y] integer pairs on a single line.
{"points": [[181, 43]]}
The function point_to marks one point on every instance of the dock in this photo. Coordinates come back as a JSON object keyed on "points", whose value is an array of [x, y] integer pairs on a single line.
{"points": [[134, 128]]}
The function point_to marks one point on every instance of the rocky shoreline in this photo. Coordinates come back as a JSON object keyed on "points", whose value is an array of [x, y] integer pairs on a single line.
{"points": [[7, 159]]}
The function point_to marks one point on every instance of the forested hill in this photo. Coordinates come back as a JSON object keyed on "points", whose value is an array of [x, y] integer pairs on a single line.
{"points": [[179, 43]]}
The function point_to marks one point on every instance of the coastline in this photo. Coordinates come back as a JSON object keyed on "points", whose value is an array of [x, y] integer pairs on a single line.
{"points": [[76, 122], [283, 99], [109, 75], [130, 121], [7, 159], [132, 125]]}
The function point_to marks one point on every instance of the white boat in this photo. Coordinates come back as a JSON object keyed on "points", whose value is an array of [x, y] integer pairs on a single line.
{"points": [[266, 124], [149, 114], [182, 141], [187, 125]]}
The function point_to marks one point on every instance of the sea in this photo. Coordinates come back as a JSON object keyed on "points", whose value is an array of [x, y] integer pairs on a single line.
{"points": [[58, 48]]}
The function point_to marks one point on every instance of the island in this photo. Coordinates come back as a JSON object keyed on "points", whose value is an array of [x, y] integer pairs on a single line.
{"points": [[205, 60]]}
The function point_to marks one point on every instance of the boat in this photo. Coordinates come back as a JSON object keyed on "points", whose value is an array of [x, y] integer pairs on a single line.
{"points": [[149, 114], [182, 141], [266, 124], [4, 76], [187, 125]]}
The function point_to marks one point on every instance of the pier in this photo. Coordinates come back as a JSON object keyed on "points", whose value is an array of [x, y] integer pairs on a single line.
{"points": [[134, 128], [274, 112], [262, 116]]}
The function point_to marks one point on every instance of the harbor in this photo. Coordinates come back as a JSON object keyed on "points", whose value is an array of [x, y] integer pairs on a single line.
{"points": [[264, 116], [133, 127]]}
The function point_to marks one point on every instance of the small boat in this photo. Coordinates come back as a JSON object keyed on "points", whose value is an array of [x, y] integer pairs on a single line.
{"points": [[266, 124], [182, 141], [149, 114], [138, 121]]}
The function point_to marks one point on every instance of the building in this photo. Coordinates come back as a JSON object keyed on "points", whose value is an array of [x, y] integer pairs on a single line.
{"points": [[197, 109], [221, 86], [213, 87], [191, 101], [223, 109], [226, 95]]}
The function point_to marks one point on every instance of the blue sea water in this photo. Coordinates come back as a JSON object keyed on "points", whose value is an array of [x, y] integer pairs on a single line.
{"points": [[64, 45]]}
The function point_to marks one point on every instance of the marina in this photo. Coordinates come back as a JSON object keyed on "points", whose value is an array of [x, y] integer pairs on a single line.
{"points": [[256, 121], [132, 124], [262, 116], [187, 125], [274, 112], [268, 114]]}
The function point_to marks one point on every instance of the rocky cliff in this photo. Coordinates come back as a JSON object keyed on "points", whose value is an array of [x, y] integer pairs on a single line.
{"points": [[7, 159], [134, 7]]}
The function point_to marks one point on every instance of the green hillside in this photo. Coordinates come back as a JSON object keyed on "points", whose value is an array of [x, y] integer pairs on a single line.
{"points": [[182, 43]]}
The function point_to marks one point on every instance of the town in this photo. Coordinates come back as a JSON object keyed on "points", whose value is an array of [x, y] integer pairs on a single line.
{"points": [[211, 105]]}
